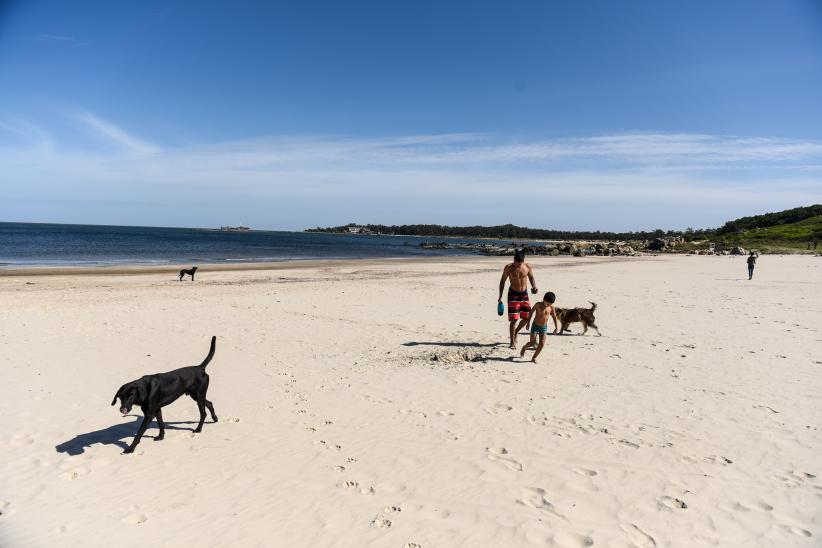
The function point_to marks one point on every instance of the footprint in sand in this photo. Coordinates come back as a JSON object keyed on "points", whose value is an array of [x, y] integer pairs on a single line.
{"points": [[795, 530], [718, 458], [584, 471], [801, 477], [637, 535], [4, 504], [747, 507], [499, 454], [355, 486], [790, 480], [498, 408], [411, 545], [564, 538], [380, 523], [534, 497], [671, 503], [135, 518]]}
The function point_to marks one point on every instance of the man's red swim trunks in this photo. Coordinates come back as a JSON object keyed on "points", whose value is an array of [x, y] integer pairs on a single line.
{"points": [[518, 305]]}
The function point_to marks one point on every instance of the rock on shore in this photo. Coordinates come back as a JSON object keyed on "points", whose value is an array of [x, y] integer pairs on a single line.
{"points": [[577, 249]]}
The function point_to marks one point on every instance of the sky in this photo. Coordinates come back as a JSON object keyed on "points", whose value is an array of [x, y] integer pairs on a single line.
{"points": [[287, 115]]}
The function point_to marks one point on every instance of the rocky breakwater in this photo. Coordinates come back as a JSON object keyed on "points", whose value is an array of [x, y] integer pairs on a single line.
{"points": [[664, 244], [575, 248]]}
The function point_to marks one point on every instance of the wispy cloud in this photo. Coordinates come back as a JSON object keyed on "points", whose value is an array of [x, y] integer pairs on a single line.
{"points": [[117, 136], [479, 152], [638, 148], [629, 180], [27, 132]]}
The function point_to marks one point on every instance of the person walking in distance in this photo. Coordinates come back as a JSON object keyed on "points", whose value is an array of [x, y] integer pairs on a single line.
{"points": [[751, 263], [518, 274]]}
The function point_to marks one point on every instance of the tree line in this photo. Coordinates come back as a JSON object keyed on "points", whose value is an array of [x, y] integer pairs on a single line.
{"points": [[770, 219], [509, 231], [513, 232]]}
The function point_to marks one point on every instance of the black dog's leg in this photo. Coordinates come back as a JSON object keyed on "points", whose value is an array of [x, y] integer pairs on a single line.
{"points": [[201, 407], [192, 276], [211, 410], [160, 424], [140, 431], [199, 395]]}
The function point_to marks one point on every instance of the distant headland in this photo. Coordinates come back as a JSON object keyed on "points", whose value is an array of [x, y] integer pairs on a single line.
{"points": [[791, 230]]}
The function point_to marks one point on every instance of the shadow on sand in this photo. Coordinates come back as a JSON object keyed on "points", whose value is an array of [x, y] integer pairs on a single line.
{"points": [[509, 359], [113, 435]]}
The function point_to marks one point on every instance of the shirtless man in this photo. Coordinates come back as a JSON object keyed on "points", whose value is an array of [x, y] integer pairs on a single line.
{"points": [[518, 274]]}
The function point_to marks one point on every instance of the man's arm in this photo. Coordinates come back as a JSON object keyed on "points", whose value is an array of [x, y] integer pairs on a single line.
{"points": [[502, 283], [531, 279], [531, 314]]}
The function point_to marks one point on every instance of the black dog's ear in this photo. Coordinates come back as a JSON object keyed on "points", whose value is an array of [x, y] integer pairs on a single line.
{"points": [[117, 395], [142, 390], [146, 389]]}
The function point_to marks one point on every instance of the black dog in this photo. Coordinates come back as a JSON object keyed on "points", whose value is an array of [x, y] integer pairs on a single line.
{"points": [[189, 271], [153, 392]]}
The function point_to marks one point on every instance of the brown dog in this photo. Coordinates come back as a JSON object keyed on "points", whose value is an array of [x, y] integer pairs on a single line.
{"points": [[568, 316]]}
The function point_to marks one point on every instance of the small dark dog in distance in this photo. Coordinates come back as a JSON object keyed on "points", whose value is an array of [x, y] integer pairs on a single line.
{"points": [[189, 271], [153, 392], [567, 316]]}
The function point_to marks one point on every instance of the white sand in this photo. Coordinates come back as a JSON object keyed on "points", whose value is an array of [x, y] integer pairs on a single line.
{"points": [[349, 416]]}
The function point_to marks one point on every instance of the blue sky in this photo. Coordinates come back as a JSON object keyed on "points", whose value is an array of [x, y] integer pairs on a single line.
{"points": [[609, 115]]}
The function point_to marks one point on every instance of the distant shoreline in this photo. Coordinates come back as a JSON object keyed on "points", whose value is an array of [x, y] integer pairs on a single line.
{"points": [[285, 264]]}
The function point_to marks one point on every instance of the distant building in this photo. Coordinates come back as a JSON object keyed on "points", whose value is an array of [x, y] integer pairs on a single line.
{"points": [[234, 228]]}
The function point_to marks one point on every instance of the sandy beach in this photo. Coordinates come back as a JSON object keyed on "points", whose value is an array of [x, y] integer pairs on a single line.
{"points": [[375, 403]]}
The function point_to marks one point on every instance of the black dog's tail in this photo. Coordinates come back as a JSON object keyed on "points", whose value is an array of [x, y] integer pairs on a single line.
{"points": [[210, 352], [593, 305]]}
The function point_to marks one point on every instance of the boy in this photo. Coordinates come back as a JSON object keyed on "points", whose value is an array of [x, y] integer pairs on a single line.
{"points": [[539, 316]]}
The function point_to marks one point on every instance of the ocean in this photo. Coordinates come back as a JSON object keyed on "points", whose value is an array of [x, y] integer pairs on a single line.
{"points": [[35, 244]]}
